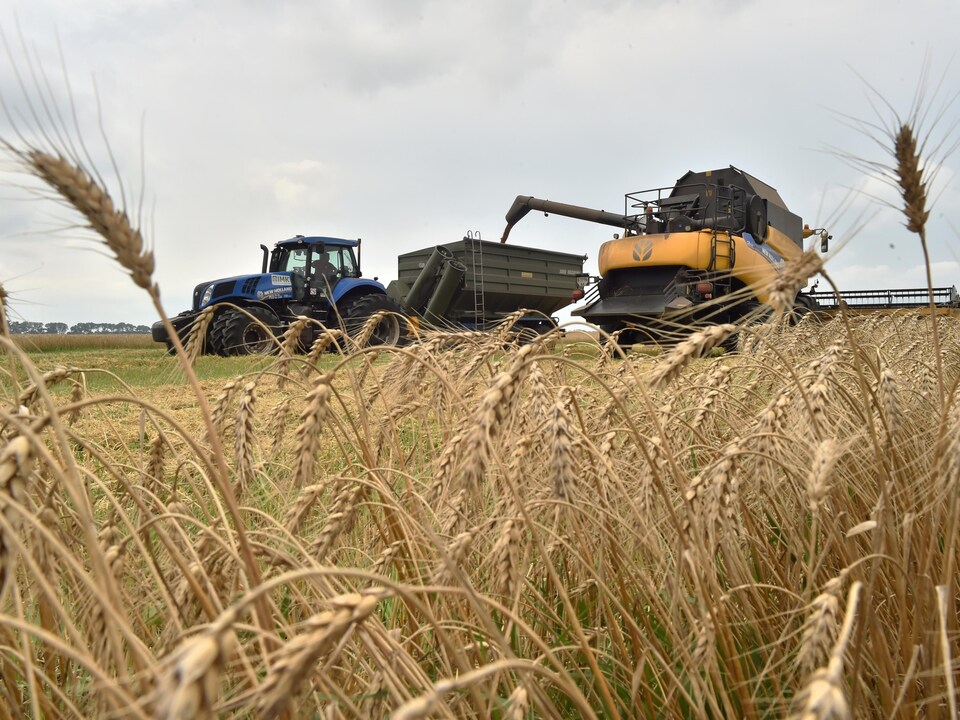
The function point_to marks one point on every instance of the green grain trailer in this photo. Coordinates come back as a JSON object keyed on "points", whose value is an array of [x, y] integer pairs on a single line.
{"points": [[475, 284]]}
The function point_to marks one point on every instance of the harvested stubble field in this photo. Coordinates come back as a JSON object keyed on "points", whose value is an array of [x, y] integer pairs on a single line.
{"points": [[466, 528]]}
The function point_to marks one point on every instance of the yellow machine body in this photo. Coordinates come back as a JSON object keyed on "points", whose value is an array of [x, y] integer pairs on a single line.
{"points": [[752, 264]]}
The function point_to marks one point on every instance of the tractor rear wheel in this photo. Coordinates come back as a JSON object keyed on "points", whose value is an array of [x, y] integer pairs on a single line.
{"points": [[249, 332], [356, 311]]}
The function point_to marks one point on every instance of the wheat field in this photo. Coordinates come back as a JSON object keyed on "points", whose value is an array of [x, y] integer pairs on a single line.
{"points": [[468, 528]]}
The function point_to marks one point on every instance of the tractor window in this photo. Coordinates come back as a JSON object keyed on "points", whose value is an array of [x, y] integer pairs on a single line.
{"points": [[345, 261], [337, 262], [292, 260]]}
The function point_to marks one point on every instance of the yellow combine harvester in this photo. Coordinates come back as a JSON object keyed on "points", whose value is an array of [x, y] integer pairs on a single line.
{"points": [[703, 250]]}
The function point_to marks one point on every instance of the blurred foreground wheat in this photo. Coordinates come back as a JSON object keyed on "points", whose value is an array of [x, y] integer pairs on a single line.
{"points": [[464, 529]]}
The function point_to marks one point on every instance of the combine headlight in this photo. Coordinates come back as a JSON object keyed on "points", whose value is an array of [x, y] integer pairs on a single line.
{"points": [[582, 280]]}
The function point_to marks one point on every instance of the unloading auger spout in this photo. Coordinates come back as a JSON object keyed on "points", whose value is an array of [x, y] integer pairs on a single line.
{"points": [[524, 204]]}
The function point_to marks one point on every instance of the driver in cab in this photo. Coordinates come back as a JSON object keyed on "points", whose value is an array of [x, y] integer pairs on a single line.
{"points": [[324, 272]]}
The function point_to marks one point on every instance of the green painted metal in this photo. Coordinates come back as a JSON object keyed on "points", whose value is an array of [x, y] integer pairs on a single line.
{"points": [[511, 277]]}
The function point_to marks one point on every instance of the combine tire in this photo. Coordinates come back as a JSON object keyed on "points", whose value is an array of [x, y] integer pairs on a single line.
{"points": [[237, 333], [356, 311], [749, 313], [802, 307]]}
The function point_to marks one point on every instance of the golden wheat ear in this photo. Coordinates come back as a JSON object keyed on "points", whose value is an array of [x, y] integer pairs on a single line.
{"points": [[77, 188], [910, 179]]}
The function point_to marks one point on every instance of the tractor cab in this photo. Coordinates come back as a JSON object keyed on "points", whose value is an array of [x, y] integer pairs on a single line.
{"points": [[315, 264]]}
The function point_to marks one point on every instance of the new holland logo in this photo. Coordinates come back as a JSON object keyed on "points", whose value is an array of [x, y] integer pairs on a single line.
{"points": [[643, 249]]}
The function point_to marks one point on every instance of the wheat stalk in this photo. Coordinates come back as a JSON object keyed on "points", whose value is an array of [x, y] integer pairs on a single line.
{"points": [[299, 509], [295, 660], [818, 479], [910, 179], [76, 186], [276, 425], [245, 438], [341, 512], [820, 627], [506, 558], [190, 685], [782, 291], [308, 432], [889, 397], [196, 341], [16, 462], [289, 344], [696, 345], [323, 342], [4, 325], [518, 704], [454, 556], [368, 328], [28, 397], [221, 405], [823, 697], [495, 404], [560, 433]]}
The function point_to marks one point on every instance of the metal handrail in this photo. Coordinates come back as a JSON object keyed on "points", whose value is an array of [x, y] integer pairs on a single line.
{"points": [[891, 298]]}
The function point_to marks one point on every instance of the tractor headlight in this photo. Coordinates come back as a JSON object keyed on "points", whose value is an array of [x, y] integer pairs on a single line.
{"points": [[207, 295]]}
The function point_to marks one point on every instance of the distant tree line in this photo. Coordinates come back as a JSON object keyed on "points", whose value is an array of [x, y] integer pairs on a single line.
{"points": [[84, 328]]}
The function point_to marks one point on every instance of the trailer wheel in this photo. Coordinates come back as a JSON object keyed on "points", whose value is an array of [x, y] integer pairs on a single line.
{"points": [[236, 332], [356, 311]]}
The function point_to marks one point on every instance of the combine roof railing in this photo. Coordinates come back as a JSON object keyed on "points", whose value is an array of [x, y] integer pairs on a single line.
{"points": [[904, 298]]}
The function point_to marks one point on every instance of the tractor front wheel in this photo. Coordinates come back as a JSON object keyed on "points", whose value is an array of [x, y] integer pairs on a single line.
{"points": [[388, 329], [245, 332]]}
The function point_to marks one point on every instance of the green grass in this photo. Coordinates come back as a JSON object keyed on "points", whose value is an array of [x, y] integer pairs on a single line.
{"points": [[138, 364]]}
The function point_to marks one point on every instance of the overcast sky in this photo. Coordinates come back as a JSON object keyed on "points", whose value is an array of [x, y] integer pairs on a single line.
{"points": [[410, 122]]}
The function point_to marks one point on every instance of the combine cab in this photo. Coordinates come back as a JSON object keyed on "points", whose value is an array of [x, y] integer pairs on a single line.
{"points": [[702, 250]]}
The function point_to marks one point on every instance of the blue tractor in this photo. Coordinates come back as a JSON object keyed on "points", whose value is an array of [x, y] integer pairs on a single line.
{"points": [[314, 277]]}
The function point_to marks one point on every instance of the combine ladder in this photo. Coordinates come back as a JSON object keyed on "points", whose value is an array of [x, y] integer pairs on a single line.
{"points": [[476, 257], [722, 258]]}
